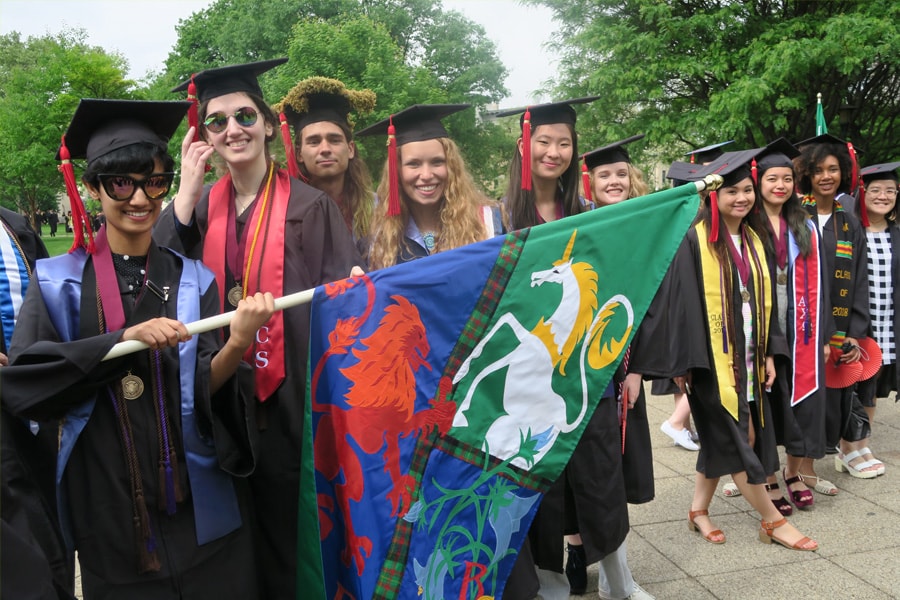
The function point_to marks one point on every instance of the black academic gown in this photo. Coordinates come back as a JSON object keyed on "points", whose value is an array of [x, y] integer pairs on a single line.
{"points": [[674, 338], [844, 416], [35, 563], [318, 249], [801, 428], [46, 378]]}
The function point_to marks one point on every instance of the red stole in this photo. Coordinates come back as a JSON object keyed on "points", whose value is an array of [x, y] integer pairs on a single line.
{"points": [[261, 273], [807, 348]]}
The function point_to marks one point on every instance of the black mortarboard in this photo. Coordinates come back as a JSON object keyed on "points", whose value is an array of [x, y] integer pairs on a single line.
{"points": [[415, 124], [549, 113], [323, 99], [100, 126], [779, 153], [707, 154], [611, 153], [732, 166], [680, 172], [882, 171], [219, 81]]}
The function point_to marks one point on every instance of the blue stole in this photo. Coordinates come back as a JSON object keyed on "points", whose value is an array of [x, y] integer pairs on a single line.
{"points": [[216, 511], [13, 282]]}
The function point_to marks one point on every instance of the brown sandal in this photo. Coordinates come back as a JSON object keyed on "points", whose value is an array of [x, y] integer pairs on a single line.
{"points": [[693, 514], [767, 534]]}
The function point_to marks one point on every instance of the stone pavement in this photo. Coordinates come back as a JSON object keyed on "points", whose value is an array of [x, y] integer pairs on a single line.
{"points": [[858, 532]]}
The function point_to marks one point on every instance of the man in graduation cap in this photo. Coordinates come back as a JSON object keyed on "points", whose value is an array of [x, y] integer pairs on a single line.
{"points": [[152, 444], [318, 109], [258, 229]]}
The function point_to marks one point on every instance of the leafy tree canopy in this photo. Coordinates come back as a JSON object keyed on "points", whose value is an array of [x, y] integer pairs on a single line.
{"points": [[694, 72], [42, 80]]}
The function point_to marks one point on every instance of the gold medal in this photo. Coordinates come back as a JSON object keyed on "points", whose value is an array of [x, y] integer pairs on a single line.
{"points": [[782, 279], [745, 295], [132, 387], [235, 294]]}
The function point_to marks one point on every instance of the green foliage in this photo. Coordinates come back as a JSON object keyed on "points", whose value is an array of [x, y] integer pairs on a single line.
{"points": [[406, 51], [694, 72], [42, 80]]}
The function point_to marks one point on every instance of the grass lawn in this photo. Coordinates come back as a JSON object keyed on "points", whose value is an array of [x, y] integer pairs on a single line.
{"points": [[59, 244]]}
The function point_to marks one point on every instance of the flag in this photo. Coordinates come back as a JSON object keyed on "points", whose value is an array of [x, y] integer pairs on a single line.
{"points": [[448, 393], [821, 125]]}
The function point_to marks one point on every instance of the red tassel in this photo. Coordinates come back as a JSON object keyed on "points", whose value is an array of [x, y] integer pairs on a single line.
{"points": [[526, 150], [393, 178], [293, 168], [193, 110], [753, 172], [854, 171], [80, 220], [692, 158], [714, 215], [863, 212], [586, 182]]}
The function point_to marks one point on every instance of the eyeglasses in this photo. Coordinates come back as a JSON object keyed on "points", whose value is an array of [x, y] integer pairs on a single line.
{"points": [[876, 191], [122, 187], [245, 117]]}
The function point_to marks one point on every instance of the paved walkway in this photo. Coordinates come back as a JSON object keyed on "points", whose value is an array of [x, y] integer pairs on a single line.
{"points": [[858, 532]]}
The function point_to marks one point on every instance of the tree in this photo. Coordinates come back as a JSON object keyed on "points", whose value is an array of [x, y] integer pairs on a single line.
{"points": [[407, 51], [42, 80], [694, 72]]}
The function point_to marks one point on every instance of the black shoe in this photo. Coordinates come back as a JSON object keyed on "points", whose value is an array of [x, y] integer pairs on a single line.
{"points": [[576, 569]]}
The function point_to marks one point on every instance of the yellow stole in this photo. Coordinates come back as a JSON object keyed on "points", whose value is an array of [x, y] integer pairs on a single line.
{"points": [[717, 280]]}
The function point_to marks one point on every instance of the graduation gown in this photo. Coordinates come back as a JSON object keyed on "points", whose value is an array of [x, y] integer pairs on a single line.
{"points": [[53, 379], [675, 340], [801, 428], [849, 311], [318, 248], [35, 563]]}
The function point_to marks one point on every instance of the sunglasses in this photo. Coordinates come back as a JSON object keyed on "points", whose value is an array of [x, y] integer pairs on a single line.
{"points": [[122, 187], [245, 117]]}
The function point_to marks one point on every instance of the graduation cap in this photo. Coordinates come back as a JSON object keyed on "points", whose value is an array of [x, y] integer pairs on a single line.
{"points": [[541, 114], [219, 81], [733, 167], [318, 99], [611, 153], [827, 138], [882, 171], [707, 154], [778, 153], [99, 127], [418, 123], [605, 155], [680, 172], [548, 113]]}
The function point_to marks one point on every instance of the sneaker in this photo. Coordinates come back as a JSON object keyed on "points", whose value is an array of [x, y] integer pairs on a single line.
{"points": [[639, 593], [681, 438]]}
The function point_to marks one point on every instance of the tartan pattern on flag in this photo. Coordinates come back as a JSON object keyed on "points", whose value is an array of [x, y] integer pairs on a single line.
{"points": [[392, 570], [477, 456], [490, 296]]}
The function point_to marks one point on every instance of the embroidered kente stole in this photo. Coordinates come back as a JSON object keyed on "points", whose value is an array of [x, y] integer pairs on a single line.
{"points": [[841, 292], [717, 281]]}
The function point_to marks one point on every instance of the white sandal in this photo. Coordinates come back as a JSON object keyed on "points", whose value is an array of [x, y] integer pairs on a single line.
{"points": [[842, 463], [731, 490], [873, 460], [823, 486]]}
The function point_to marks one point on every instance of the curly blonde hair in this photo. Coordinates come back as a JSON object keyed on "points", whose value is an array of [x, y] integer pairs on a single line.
{"points": [[460, 210]]}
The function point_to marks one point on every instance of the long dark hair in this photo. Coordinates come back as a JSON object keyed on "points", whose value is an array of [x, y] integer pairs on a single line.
{"points": [[520, 209], [795, 216]]}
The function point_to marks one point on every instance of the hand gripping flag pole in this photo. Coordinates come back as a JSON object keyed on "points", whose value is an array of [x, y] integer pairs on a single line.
{"points": [[710, 182]]}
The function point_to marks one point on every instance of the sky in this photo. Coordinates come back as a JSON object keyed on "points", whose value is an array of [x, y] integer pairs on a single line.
{"points": [[143, 31]]}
